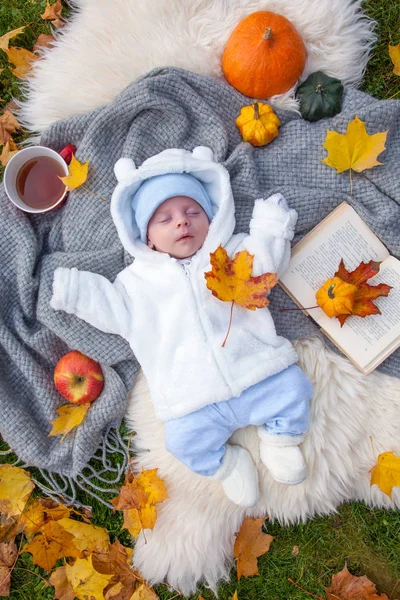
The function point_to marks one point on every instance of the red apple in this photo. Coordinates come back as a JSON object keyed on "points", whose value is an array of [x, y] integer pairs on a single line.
{"points": [[78, 378]]}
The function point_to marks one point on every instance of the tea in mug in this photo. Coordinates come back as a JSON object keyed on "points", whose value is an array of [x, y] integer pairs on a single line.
{"points": [[38, 183]]}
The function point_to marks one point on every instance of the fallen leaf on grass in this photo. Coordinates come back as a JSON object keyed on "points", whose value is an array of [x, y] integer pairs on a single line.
{"points": [[43, 41], [144, 593], [9, 149], [8, 554], [63, 590], [5, 39], [8, 126], [386, 473], [77, 174], [235, 596], [394, 53], [137, 500], [52, 11], [52, 543], [345, 586], [230, 280], [87, 538], [15, 488], [250, 543], [22, 59], [85, 580], [69, 417]]}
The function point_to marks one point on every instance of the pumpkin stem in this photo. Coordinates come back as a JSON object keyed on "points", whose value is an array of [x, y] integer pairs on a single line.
{"points": [[267, 35], [256, 111], [330, 291]]}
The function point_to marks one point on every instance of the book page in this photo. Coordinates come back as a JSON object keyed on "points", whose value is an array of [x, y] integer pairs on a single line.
{"points": [[344, 235]]}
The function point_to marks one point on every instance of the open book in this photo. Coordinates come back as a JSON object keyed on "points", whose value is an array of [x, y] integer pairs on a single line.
{"points": [[343, 234]]}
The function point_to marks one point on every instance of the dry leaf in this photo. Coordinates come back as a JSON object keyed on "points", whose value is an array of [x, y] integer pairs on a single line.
{"points": [[250, 543], [69, 417], [62, 588], [295, 551], [144, 593], [137, 500], [52, 11], [58, 23], [116, 562], [22, 59], [51, 544], [87, 538], [15, 488], [11, 106], [43, 41], [386, 473], [5, 39], [9, 149], [8, 126], [355, 149], [231, 281], [394, 53], [77, 174], [85, 581], [8, 555], [359, 298], [345, 586]]}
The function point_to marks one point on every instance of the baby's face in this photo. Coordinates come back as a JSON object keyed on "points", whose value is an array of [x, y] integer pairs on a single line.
{"points": [[178, 227]]}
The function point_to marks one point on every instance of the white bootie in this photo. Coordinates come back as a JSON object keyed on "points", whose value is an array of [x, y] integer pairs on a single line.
{"points": [[238, 476], [283, 457]]}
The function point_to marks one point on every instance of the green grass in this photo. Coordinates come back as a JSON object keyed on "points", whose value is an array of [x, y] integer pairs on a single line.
{"points": [[367, 540]]}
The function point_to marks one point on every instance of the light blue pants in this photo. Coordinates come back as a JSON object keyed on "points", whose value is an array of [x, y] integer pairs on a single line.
{"points": [[280, 402]]}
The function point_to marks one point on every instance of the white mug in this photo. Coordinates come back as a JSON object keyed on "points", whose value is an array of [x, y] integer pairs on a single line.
{"points": [[13, 167]]}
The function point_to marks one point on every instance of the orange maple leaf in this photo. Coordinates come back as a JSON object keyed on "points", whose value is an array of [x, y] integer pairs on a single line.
{"points": [[346, 586], [52, 543], [8, 126], [347, 293], [137, 500], [386, 473], [250, 543], [230, 280], [22, 59], [52, 11]]}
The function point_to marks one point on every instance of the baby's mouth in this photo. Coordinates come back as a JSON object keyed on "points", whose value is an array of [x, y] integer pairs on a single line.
{"points": [[184, 237]]}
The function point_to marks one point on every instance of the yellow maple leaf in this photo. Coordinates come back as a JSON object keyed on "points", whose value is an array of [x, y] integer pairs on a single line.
{"points": [[5, 39], [153, 486], [386, 473], [230, 280], [85, 581], [22, 59], [9, 149], [69, 417], [52, 543], [356, 149], [87, 538], [15, 488], [394, 53], [77, 174], [235, 596], [250, 543]]}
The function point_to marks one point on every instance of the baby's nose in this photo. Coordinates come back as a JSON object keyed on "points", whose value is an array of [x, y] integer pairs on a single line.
{"points": [[183, 220]]}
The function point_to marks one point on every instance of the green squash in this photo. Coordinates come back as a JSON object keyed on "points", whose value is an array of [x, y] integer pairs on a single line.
{"points": [[320, 96]]}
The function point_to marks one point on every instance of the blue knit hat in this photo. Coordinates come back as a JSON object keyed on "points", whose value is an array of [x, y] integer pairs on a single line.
{"points": [[156, 189]]}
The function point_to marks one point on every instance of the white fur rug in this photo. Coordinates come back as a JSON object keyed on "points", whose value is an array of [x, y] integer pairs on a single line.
{"points": [[109, 43], [104, 47]]}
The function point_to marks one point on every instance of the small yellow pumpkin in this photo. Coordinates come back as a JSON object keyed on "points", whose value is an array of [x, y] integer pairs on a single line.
{"points": [[336, 297], [258, 124]]}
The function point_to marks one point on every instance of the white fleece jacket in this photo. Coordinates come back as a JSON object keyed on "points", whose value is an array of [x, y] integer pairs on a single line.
{"points": [[174, 324]]}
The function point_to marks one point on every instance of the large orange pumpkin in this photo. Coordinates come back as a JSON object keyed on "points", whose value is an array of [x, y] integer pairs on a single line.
{"points": [[264, 55]]}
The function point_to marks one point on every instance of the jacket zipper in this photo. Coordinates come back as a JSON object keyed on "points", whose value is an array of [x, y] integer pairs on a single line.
{"points": [[186, 268]]}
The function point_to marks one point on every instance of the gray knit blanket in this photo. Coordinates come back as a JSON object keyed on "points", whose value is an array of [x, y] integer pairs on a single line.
{"points": [[166, 108]]}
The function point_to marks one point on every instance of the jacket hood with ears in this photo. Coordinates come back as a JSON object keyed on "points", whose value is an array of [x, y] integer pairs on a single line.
{"points": [[200, 164]]}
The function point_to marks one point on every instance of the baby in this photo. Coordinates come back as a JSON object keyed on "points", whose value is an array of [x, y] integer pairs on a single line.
{"points": [[170, 213]]}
